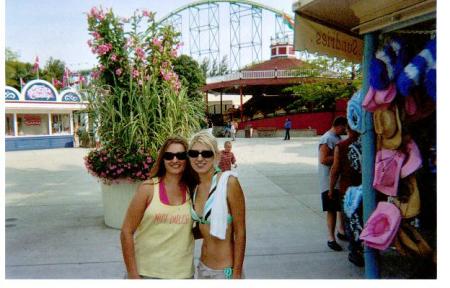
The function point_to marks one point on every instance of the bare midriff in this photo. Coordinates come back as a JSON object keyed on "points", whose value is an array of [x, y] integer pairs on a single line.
{"points": [[216, 253]]}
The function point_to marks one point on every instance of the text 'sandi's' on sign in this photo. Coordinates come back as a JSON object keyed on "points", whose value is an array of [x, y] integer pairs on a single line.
{"points": [[314, 37]]}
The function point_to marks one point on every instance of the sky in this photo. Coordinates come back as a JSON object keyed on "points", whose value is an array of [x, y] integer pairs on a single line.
{"points": [[58, 29]]}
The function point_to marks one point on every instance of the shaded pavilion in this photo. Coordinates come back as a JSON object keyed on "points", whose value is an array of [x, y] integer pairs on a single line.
{"points": [[267, 78]]}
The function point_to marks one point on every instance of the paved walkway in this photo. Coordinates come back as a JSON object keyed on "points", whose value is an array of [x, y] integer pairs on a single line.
{"points": [[55, 229]]}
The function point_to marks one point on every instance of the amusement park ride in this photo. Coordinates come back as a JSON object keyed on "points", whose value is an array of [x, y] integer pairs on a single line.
{"points": [[246, 24]]}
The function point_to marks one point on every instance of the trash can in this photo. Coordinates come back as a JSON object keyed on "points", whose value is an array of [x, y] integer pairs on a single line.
{"points": [[248, 132]]}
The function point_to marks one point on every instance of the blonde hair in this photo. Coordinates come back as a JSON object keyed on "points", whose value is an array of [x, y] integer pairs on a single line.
{"points": [[205, 138]]}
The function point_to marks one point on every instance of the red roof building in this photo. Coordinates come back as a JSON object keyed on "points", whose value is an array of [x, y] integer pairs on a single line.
{"points": [[268, 78]]}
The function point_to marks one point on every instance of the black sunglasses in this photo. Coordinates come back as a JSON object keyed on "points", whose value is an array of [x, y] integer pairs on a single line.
{"points": [[205, 154], [179, 155]]}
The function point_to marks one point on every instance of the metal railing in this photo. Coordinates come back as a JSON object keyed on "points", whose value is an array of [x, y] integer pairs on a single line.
{"points": [[272, 74]]}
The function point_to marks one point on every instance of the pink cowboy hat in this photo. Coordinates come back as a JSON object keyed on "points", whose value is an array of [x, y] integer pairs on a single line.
{"points": [[382, 226], [413, 159], [410, 105], [375, 99], [388, 164]]}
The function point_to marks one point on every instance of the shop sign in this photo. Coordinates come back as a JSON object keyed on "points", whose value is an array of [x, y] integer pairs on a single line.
{"points": [[32, 120], [40, 92], [71, 97], [11, 94], [315, 37]]}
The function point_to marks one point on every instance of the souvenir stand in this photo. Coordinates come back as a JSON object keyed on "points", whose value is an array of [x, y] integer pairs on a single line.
{"points": [[40, 117], [397, 122]]}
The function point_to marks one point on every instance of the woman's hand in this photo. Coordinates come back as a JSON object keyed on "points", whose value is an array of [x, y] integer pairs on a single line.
{"points": [[134, 276]]}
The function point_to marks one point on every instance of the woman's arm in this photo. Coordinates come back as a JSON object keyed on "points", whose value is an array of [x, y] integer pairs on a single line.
{"points": [[236, 203], [132, 219], [325, 155], [334, 172]]}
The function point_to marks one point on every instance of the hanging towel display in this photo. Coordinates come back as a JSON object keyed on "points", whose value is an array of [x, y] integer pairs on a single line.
{"points": [[354, 112], [387, 64], [352, 199], [421, 70]]}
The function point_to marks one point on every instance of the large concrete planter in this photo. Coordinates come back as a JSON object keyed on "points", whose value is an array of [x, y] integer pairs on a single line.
{"points": [[116, 198]]}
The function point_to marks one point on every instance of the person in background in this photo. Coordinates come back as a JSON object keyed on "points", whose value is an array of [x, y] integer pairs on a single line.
{"points": [[210, 126], [330, 199], [346, 169], [218, 206], [233, 129], [227, 158], [228, 129], [76, 136], [157, 239], [287, 127]]}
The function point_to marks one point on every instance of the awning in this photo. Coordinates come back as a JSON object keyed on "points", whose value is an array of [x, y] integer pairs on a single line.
{"points": [[314, 37], [320, 22]]}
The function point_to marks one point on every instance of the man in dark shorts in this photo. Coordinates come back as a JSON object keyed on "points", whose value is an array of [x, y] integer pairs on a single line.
{"points": [[330, 201], [346, 170]]}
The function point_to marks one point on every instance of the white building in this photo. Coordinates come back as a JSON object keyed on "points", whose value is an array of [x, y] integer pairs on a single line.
{"points": [[40, 118]]}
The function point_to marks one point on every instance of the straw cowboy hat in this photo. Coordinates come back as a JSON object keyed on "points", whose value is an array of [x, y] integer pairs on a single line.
{"points": [[382, 226], [409, 207], [388, 127], [388, 164], [410, 241], [379, 99]]}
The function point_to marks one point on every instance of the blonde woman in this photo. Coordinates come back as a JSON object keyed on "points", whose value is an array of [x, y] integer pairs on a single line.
{"points": [[218, 207], [157, 239]]}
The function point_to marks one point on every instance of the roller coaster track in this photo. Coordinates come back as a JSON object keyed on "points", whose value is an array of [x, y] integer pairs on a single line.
{"points": [[204, 35]]}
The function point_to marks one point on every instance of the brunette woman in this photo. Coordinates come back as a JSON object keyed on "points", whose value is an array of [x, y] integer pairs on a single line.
{"points": [[157, 240]]}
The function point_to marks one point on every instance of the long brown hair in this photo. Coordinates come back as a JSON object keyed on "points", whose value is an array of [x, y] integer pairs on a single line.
{"points": [[159, 170]]}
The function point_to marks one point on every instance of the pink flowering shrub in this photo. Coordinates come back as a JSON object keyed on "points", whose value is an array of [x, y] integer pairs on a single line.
{"points": [[136, 98], [132, 51], [112, 166]]}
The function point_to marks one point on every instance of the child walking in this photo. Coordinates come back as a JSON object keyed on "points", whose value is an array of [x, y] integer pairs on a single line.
{"points": [[227, 157]]}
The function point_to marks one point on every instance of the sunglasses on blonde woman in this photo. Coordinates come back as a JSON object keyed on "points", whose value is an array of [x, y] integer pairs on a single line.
{"points": [[180, 155], [196, 153]]}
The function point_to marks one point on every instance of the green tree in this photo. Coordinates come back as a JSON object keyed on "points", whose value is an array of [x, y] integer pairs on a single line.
{"points": [[205, 66], [11, 55], [15, 69], [320, 96], [211, 69], [54, 69], [191, 75], [324, 66]]}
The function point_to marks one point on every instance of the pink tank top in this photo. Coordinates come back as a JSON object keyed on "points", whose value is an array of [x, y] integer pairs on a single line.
{"points": [[163, 194]]}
